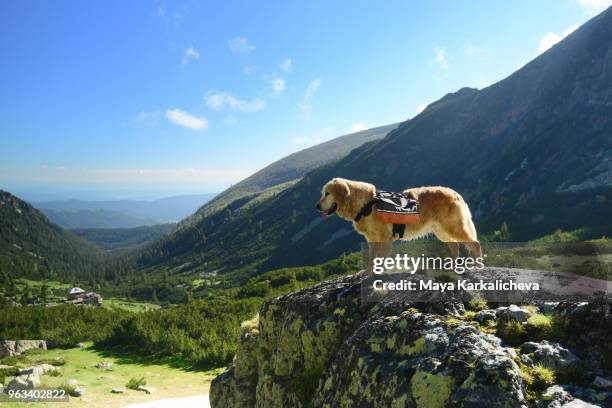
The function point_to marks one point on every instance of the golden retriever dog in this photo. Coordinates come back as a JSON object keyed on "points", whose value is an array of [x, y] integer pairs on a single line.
{"points": [[443, 212]]}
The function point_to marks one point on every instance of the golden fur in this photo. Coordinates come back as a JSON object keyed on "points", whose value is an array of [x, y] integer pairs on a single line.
{"points": [[443, 212]]}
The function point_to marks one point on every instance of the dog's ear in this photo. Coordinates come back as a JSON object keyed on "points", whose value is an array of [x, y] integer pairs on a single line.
{"points": [[341, 188]]}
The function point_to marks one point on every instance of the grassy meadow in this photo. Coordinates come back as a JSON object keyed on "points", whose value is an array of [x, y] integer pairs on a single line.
{"points": [[169, 380]]}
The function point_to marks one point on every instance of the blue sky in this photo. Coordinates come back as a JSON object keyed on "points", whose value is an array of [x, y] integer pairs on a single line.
{"points": [[191, 96]]}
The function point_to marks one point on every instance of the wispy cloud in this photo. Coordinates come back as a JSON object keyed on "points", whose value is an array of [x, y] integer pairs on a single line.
{"points": [[145, 116], [218, 100], [190, 54], [314, 138], [286, 65], [551, 39], [278, 84], [595, 6], [305, 105], [187, 120], [250, 69], [441, 59], [240, 45], [357, 127], [125, 176], [475, 52]]}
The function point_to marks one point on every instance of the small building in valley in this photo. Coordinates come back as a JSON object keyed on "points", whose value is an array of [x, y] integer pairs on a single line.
{"points": [[75, 293], [78, 296]]}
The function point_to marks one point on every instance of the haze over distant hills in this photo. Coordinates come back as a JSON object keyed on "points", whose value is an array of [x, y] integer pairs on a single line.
{"points": [[533, 150], [121, 213], [122, 225]]}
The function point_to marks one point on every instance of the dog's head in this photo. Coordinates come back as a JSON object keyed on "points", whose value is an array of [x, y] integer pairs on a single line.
{"points": [[334, 194]]}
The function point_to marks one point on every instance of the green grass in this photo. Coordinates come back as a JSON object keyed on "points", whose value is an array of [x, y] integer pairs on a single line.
{"points": [[130, 306], [169, 381]]}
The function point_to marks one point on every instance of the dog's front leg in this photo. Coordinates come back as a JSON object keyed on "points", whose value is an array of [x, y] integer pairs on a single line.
{"points": [[377, 250]]}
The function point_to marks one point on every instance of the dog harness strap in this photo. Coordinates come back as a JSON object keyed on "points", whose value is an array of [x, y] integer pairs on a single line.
{"points": [[365, 210], [399, 229]]}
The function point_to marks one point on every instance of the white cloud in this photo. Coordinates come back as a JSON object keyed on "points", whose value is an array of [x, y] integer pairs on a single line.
{"points": [[190, 54], [358, 127], [314, 138], [470, 49], [187, 120], [240, 45], [441, 59], [218, 100], [278, 84], [145, 116], [311, 89], [286, 65], [551, 39], [595, 6]]}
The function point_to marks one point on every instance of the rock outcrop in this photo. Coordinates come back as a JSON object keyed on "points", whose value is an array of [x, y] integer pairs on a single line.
{"points": [[16, 347], [28, 378], [324, 347]]}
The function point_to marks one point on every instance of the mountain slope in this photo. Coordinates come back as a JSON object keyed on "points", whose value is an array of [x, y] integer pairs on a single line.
{"points": [[33, 247], [286, 171], [123, 239], [533, 149]]}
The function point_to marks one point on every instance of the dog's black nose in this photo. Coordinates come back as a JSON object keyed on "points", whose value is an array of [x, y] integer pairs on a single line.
{"points": [[318, 206]]}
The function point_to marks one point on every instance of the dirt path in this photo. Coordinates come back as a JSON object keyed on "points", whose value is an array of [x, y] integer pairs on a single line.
{"points": [[196, 401]]}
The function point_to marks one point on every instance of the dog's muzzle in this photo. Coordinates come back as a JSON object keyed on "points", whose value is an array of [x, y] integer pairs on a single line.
{"points": [[332, 209]]}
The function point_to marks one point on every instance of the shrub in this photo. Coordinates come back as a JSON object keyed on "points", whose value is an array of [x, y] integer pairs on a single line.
{"points": [[7, 373], [134, 383], [477, 304], [69, 388], [542, 377], [251, 325], [511, 331], [54, 373], [469, 315], [60, 326], [539, 327]]}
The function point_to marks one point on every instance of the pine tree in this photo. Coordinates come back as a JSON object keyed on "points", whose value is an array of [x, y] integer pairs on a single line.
{"points": [[154, 298], [44, 293], [504, 234]]}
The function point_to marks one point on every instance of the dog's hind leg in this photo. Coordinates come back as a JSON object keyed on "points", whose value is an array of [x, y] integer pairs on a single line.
{"points": [[474, 248], [454, 249]]}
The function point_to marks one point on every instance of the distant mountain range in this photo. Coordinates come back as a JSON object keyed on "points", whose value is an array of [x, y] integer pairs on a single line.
{"points": [[121, 213], [33, 246], [533, 150]]}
